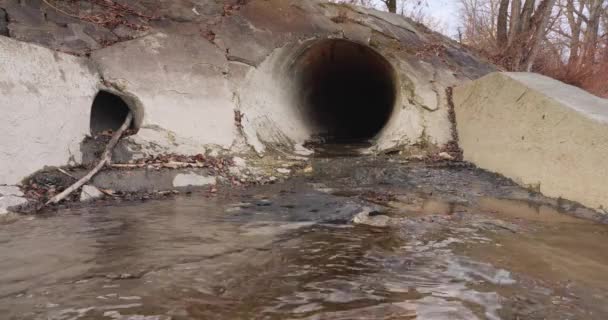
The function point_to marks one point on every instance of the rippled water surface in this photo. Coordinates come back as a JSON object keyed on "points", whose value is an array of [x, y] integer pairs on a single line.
{"points": [[453, 243]]}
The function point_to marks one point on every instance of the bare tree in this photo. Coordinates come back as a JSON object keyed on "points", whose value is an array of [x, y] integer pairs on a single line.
{"points": [[516, 36], [501, 25]]}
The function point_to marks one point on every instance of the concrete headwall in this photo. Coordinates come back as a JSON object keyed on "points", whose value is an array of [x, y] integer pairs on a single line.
{"points": [[45, 101], [209, 79], [542, 133], [181, 82]]}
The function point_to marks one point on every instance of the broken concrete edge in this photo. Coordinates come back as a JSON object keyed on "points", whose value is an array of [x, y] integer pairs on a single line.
{"points": [[552, 137]]}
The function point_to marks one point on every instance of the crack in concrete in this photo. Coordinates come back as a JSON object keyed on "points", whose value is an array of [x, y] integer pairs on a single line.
{"points": [[248, 62], [522, 95], [4, 21], [435, 88], [178, 92]]}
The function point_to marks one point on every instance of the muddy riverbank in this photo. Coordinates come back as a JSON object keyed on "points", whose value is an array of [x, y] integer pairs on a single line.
{"points": [[430, 242]]}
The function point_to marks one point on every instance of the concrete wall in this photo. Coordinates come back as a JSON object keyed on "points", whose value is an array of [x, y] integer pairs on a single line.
{"points": [[181, 81], [45, 100], [188, 79], [542, 133]]}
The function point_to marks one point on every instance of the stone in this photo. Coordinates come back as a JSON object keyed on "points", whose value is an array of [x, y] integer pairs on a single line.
{"points": [[446, 156], [183, 180], [366, 217], [303, 151], [283, 171], [239, 162], [545, 135], [90, 193]]}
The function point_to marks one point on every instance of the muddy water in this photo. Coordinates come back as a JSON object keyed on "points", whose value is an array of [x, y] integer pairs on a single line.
{"points": [[455, 243]]}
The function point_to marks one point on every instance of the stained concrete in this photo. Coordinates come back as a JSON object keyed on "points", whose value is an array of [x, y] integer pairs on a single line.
{"points": [[542, 133], [181, 82], [10, 196], [193, 180], [149, 181], [208, 78], [45, 99]]}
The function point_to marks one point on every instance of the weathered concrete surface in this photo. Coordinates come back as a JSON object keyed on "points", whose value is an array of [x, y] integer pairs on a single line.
{"points": [[184, 180], [542, 133], [45, 99], [10, 196], [148, 181], [181, 81], [203, 78]]}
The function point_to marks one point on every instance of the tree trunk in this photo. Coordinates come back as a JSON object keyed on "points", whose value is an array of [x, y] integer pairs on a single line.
{"points": [[592, 32], [515, 22], [539, 24], [391, 5], [501, 24], [526, 16], [575, 24]]}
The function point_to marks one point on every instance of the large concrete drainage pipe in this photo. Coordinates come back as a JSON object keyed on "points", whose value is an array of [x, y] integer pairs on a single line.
{"points": [[346, 92]]}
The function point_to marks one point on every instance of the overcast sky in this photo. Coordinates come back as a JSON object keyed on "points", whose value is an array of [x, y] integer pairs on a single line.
{"points": [[445, 11]]}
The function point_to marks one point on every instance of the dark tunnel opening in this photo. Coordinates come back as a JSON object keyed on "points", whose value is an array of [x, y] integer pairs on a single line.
{"points": [[346, 90], [108, 113]]}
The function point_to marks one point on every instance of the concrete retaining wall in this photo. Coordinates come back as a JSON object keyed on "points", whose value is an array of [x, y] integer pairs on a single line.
{"points": [[198, 88], [45, 100], [542, 133], [181, 82]]}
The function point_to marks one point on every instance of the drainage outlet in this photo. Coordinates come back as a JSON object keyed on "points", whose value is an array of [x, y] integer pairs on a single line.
{"points": [[345, 91], [108, 113]]}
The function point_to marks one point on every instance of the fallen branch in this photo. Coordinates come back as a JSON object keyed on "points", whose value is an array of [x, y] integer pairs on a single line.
{"points": [[159, 165], [66, 173], [105, 159], [62, 11]]}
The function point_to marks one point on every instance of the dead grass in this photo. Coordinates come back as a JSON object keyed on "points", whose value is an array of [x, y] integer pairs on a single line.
{"points": [[593, 79]]}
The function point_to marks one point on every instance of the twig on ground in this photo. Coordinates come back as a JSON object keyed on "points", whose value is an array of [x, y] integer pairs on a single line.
{"points": [[66, 173], [159, 165], [62, 11]]}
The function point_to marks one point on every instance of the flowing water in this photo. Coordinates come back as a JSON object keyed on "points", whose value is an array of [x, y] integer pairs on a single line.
{"points": [[439, 243]]}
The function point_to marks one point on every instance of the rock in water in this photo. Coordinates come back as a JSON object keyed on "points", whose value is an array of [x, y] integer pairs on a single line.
{"points": [[90, 193], [446, 156], [367, 217]]}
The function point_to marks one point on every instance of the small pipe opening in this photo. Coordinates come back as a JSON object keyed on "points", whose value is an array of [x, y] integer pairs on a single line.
{"points": [[108, 113], [346, 91]]}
